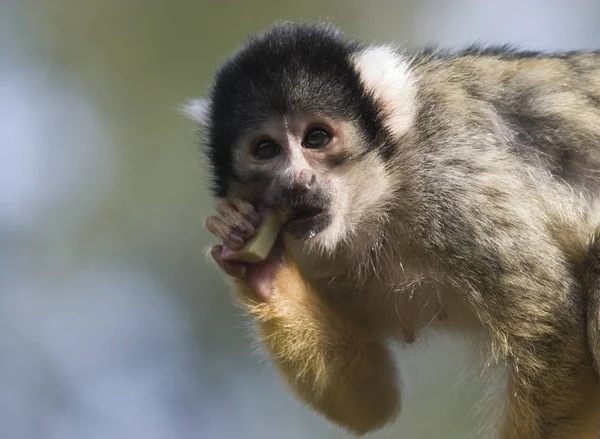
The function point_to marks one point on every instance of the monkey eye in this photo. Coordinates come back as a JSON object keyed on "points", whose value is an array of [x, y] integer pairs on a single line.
{"points": [[316, 138], [266, 149]]}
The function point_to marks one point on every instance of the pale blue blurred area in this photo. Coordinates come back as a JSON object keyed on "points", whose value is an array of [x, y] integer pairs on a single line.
{"points": [[112, 323]]}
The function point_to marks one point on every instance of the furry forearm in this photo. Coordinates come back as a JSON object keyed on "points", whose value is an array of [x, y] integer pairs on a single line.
{"points": [[335, 365]]}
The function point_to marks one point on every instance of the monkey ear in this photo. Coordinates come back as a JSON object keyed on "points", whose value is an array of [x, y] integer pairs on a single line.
{"points": [[386, 76], [198, 110]]}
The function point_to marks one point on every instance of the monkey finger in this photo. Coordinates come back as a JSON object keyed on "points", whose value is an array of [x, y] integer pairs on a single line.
{"points": [[233, 269], [235, 219], [218, 227], [247, 210]]}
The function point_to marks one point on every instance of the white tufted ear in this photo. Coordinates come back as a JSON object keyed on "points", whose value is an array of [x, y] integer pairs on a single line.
{"points": [[198, 110], [386, 74]]}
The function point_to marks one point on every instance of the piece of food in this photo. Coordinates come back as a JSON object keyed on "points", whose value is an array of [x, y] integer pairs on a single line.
{"points": [[259, 246]]}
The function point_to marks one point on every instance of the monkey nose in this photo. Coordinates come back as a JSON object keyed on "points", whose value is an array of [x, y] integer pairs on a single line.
{"points": [[306, 178]]}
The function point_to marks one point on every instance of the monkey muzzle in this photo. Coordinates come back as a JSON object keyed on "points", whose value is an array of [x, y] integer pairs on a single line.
{"points": [[307, 222], [309, 210]]}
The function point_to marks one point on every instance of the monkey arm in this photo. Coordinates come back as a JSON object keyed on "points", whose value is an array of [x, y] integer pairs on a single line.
{"points": [[333, 364]]}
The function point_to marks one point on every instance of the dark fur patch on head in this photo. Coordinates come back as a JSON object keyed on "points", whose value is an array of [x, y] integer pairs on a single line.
{"points": [[292, 68]]}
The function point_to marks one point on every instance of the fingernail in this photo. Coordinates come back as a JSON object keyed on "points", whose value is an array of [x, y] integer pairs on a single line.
{"points": [[227, 253], [242, 229], [235, 237]]}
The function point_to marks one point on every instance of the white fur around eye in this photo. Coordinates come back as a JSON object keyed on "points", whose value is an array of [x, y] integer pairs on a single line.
{"points": [[386, 74], [198, 110]]}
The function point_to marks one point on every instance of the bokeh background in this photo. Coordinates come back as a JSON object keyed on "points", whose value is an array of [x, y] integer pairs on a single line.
{"points": [[112, 323]]}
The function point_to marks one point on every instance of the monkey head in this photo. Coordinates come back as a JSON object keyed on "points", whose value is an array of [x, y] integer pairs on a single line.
{"points": [[301, 118]]}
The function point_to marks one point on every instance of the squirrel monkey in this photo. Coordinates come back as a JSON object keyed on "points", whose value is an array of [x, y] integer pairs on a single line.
{"points": [[455, 187]]}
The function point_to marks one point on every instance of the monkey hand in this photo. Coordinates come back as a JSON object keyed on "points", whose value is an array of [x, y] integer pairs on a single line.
{"points": [[239, 223]]}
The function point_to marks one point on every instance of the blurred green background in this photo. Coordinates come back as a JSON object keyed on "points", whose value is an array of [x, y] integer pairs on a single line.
{"points": [[112, 323]]}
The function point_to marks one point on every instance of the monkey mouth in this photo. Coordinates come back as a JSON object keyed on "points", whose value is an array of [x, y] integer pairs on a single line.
{"points": [[306, 221]]}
